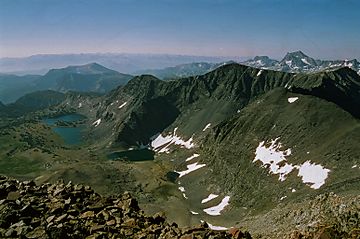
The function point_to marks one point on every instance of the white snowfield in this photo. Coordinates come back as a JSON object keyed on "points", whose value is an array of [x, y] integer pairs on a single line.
{"points": [[292, 99], [97, 122], [313, 174], [192, 157], [161, 144], [121, 106], [190, 168], [207, 126], [209, 198], [216, 210], [272, 156]]}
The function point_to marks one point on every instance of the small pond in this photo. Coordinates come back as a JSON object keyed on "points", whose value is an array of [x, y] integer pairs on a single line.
{"points": [[66, 127]]}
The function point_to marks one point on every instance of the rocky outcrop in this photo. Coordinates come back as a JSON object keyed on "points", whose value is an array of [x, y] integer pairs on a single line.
{"points": [[76, 211]]}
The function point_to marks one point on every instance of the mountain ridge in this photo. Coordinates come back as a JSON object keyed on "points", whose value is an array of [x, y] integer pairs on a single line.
{"points": [[298, 62], [89, 77]]}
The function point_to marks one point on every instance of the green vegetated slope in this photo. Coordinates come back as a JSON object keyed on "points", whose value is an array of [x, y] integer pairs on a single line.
{"points": [[188, 103], [315, 115], [314, 129], [320, 126]]}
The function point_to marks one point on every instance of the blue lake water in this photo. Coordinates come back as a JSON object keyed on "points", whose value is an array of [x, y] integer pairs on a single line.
{"points": [[70, 135]]}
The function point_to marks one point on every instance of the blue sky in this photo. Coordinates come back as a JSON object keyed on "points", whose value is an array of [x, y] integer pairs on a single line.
{"points": [[321, 28]]}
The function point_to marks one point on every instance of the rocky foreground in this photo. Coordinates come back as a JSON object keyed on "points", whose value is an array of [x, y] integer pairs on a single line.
{"points": [[76, 211]]}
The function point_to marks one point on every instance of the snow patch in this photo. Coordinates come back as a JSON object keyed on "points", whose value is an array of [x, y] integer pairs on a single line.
{"points": [[209, 198], [161, 144], [305, 61], [121, 106], [273, 156], [190, 168], [355, 166], [292, 99], [80, 105], [293, 190], [182, 189], [216, 228], [314, 174], [194, 213], [192, 157], [259, 73], [282, 198], [207, 126], [97, 122], [216, 210]]}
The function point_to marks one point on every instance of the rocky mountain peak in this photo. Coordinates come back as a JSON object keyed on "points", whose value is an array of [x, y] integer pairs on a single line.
{"points": [[297, 60]]}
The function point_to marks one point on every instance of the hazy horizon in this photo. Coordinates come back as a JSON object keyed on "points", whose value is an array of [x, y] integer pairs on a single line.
{"points": [[223, 28]]}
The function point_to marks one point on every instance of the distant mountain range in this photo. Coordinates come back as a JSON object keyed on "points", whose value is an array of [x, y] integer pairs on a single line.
{"points": [[126, 63], [183, 70], [299, 62], [293, 62], [94, 77], [85, 78]]}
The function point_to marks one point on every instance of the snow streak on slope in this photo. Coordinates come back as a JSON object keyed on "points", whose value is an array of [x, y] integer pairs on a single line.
{"points": [[161, 144], [97, 122], [192, 157], [209, 198], [190, 168], [216, 210]]}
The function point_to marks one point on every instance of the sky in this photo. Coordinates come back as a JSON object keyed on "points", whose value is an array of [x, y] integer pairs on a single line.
{"points": [[327, 29]]}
